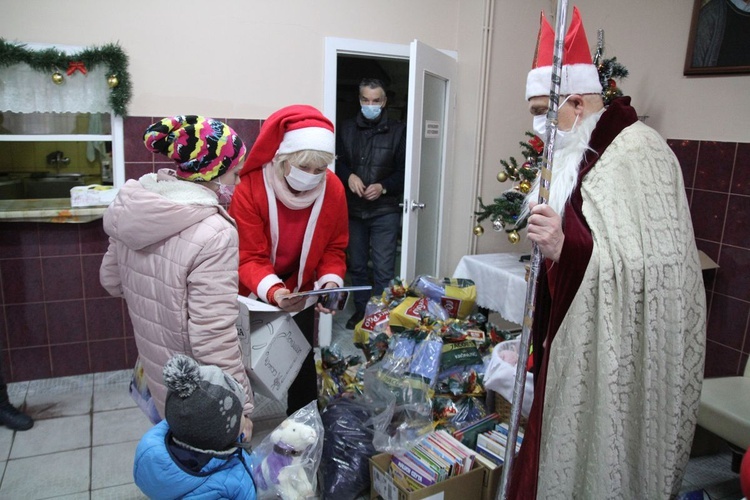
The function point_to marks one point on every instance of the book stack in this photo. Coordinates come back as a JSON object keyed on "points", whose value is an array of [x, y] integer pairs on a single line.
{"points": [[468, 434], [437, 457], [491, 445]]}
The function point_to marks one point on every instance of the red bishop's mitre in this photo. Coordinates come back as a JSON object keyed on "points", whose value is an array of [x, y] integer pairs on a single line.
{"points": [[578, 74]]}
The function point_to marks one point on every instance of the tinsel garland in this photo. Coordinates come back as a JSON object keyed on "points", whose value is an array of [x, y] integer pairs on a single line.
{"points": [[48, 60]]}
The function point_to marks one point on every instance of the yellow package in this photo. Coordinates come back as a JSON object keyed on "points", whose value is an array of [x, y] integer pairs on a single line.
{"points": [[406, 315], [459, 298]]}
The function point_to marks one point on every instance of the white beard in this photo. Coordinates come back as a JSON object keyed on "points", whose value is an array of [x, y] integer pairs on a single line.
{"points": [[565, 163]]}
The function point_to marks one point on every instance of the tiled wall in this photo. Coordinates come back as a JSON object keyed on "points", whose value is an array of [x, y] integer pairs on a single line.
{"points": [[56, 320], [717, 179]]}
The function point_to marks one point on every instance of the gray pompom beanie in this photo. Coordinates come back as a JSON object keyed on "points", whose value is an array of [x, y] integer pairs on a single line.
{"points": [[203, 407]]}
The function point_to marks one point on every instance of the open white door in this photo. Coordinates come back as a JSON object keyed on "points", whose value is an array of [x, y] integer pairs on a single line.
{"points": [[429, 145]]}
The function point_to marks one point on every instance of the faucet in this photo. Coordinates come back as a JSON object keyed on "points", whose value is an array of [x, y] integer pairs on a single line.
{"points": [[56, 158]]}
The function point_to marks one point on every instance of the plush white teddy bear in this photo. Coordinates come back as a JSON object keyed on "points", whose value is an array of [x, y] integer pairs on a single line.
{"points": [[282, 471]]}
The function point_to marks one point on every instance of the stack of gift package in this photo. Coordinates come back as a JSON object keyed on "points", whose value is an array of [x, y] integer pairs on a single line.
{"points": [[425, 350]]}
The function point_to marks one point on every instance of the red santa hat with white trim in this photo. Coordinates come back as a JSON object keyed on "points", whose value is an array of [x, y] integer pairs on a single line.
{"points": [[578, 74], [293, 128]]}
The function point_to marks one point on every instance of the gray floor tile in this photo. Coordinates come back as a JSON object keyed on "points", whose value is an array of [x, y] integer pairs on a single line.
{"points": [[47, 476], [52, 436], [62, 397], [124, 492], [119, 426], [112, 464], [6, 439], [111, 391], [85, 495]]}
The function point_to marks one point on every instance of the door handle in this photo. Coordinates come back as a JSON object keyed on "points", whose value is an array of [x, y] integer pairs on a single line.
{"points": [[415, 205]]}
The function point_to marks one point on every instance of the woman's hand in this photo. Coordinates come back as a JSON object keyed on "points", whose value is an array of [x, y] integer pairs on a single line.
{"points": [[319, 307], [545, 229], [294, 304]]}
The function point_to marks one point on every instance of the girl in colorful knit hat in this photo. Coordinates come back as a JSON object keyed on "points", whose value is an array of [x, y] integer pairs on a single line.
{"points": [[173, 252]]}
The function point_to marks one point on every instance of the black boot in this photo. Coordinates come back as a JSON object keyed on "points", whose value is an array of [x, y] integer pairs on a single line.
{"points": [[356, 318], [11, 418]]}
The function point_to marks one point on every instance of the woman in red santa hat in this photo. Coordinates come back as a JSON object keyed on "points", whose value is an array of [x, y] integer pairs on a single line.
{"points": [[292, 219]]}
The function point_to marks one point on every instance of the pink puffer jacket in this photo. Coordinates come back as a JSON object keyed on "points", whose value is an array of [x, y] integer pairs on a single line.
{"points": [[173, 256]]}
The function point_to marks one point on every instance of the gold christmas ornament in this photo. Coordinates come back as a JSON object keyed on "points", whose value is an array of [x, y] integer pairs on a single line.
{"points": [[513, 237], [524, 186], [478, 230], [502, 177], [57, 78], [112, 81]]}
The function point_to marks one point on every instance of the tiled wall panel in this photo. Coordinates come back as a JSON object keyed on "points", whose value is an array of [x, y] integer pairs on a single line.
{"points": [[56, 320]]}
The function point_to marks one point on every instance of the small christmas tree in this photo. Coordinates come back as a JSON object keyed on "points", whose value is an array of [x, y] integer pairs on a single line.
{"points": [[505, 210]]}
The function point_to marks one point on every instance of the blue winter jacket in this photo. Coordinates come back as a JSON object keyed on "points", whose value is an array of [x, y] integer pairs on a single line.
{"points": [[159, 476]]}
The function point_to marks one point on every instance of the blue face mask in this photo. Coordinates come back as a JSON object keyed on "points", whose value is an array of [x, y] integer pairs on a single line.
{"points": [[371, 111]]}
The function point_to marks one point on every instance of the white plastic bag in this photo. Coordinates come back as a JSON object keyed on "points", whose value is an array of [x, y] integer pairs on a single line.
{"points": [[500, 376], [285, 464]]}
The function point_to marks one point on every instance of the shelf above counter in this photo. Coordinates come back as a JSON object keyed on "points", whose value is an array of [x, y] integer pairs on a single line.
{"points": [[55, 210]]}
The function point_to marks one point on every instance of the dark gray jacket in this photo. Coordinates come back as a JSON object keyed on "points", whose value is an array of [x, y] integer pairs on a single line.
{"points": [[374, 150]]}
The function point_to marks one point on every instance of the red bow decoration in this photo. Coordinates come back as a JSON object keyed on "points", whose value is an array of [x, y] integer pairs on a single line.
{"points": [[74, 66], [537, 144]]}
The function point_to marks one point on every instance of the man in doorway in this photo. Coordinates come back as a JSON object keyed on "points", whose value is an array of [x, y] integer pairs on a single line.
{"points": [[370, 158], [619, 319]]}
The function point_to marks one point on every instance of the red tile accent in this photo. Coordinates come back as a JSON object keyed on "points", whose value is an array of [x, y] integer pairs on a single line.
{"points": [[137, 170], [104, 318], [714, 167], [27, 325], [733, 275], [133, 129], [248, 130], [58, 239], [91, 285], [721, 361], [727, 321], [62, 278], [93, 238], [707, 211], [66, 322], [108, 355], [741, 177], [737, 229], [70, 359], [18, 240], [131, 351], [22, 280], [30, 364], [3, 336], [687, 154]]}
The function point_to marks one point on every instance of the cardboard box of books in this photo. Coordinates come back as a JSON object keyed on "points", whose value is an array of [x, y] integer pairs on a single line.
{"points": [[437, 465], [273, 347], [490, 447]]}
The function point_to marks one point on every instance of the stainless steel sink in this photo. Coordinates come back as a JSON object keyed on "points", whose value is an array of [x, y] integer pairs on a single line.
{"points": [[52, 186]]}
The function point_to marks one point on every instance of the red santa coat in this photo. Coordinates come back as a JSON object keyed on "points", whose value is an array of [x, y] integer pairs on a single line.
{"points": [[323, 257]]}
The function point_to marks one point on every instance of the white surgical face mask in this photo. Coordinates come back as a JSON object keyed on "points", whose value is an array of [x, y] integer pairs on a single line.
{"points": [[371, 111], [301, 180], [540, 128]]}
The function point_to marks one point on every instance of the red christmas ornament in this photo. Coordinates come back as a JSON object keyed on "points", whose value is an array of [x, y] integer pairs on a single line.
{"points": [[612, 83], [74, 66]]}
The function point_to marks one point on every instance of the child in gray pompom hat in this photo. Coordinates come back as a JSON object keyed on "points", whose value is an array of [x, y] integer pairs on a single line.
{"points": [[197, 449]]}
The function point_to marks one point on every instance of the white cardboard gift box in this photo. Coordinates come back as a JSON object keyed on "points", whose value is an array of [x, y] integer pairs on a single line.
{"points": [[92, 195], [273, 347]]}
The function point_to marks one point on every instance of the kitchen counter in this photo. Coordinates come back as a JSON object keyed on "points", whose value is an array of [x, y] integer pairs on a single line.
{"points": [[57, 210]]}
